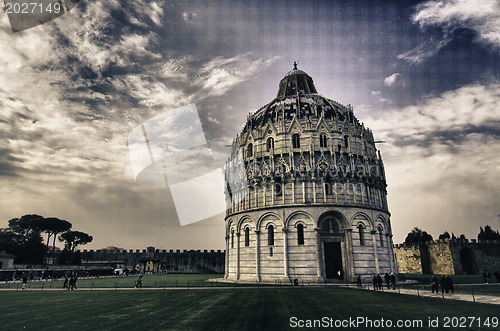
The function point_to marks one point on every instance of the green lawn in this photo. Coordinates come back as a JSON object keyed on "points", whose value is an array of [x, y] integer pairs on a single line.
{"points": [[221, 309]]}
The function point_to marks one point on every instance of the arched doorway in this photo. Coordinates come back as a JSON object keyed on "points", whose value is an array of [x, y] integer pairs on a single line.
{"points": [[332, 238], [468, 260]]}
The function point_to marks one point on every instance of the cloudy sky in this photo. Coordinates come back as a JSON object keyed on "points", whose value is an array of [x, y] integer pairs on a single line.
{"points": [[423, 75]]}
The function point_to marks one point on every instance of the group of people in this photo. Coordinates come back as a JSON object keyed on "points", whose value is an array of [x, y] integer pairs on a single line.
{"points": [[390, 281], [70, 282], [445, 282]]}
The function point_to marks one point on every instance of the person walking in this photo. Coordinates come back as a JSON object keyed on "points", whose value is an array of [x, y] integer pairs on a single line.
{"points": [[379, 282], [75, 278], [393, 280], [358, 281], [138, 283], [449, 284], [25, 281], [71, 282], [66, 281], [434, 284], [387, 279], [444, 287]]}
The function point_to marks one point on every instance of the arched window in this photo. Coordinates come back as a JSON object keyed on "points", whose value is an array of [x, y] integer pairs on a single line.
{"points": [[381, 234], [278, 187], [270, 144], [249, 150], [322, 140], [232, 239], [328, 188], [361, 231], [330, 225], [346, 141], [300, 234], [247, 237], [296, 140], [270, 235]]}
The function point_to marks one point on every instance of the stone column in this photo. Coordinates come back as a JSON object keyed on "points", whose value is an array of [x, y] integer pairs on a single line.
{"points": [[353, 192], [226, 257], [374, 241], [272, 192], [283, 190], [285, 250], [256, 196], [361, 192], [369, 191], [237, 255], [257, 254], [336, 193], [390, 248], [303, 191], [324, 190], [265, 193], [350, 256], [345, 194], [319, 256], [314, 191]]}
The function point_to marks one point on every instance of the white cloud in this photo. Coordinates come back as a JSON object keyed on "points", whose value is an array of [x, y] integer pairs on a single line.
{"points": [[389, 81], [441, 159], [425, 50], [189, 16], [220, 74], [469, 105], [481, 16]]}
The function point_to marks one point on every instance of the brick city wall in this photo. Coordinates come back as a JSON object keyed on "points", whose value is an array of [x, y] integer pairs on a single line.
{"points": [[156, 260], [448, 257]]}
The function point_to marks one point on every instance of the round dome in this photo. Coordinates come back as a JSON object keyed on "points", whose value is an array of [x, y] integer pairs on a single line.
{"points": [[296, 82]]}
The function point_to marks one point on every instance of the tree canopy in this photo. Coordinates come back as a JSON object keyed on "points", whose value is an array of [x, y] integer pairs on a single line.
{"points": [[444, 235], [73, 239], [23, 237], [488, 234], [417, 236]]}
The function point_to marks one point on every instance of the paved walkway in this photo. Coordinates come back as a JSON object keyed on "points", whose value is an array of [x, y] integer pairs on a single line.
{"points": [[446, 296]]}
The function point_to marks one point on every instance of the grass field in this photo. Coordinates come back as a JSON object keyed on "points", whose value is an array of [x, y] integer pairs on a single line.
{"points": [[221, 309]]}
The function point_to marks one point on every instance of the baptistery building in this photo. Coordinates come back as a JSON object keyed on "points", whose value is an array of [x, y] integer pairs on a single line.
{"points": [[307, 200]]}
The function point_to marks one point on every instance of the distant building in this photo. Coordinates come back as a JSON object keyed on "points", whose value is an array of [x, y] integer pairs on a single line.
{"points": [[6, 261], [315, 207], [454, 257], [6, 266]]}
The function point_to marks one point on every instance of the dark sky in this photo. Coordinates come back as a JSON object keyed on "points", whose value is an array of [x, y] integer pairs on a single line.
{"points": [[423, 75]]}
